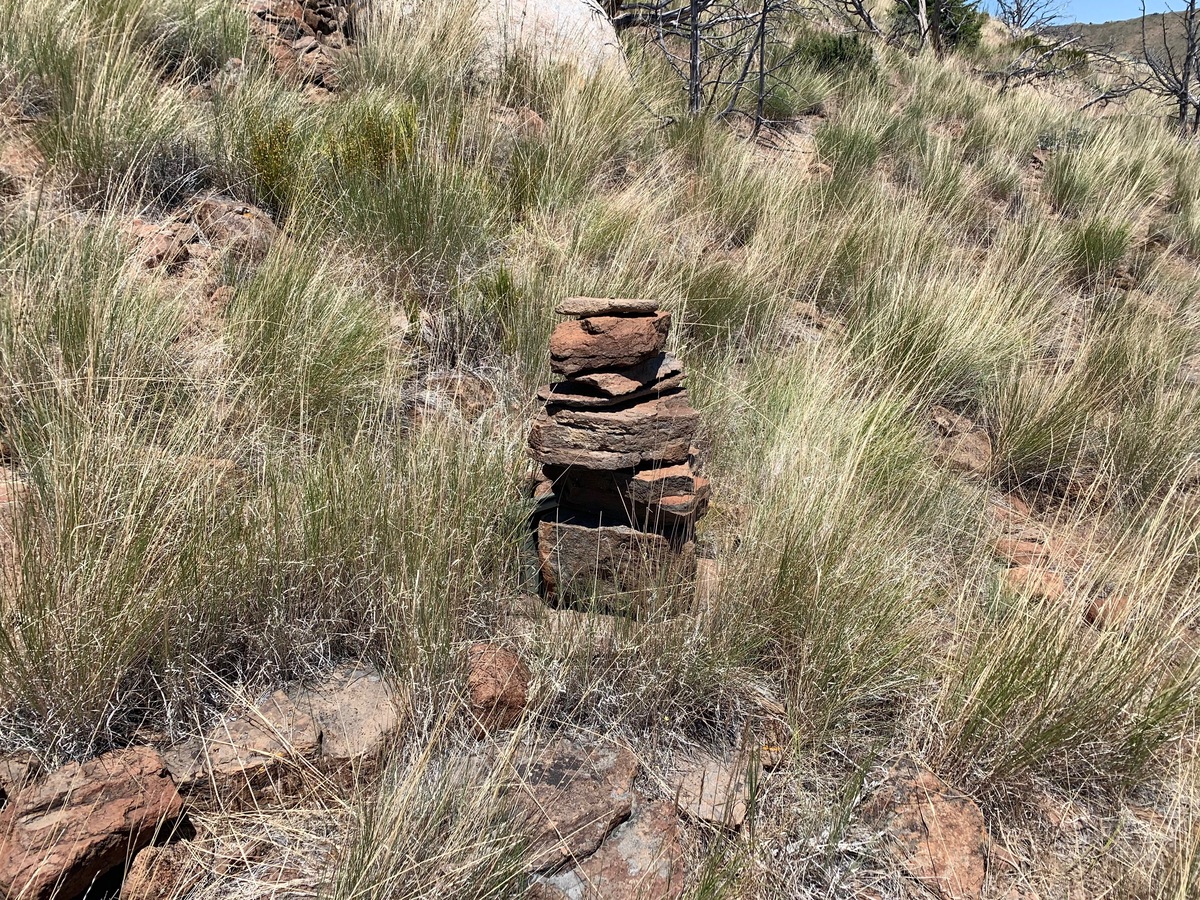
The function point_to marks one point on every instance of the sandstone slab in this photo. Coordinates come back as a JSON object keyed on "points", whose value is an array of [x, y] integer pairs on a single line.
{"points": [[624, 382], [248, 751], [607, 342], [937, 833], [584, 307], [357, 714], [620, 564], [657, 431], [498, 685], [570, 394], [712, 790], [641, 860], [83, 821], [573, 797]]}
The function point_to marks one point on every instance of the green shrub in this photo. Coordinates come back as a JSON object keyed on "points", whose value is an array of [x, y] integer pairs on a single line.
{"points": [[312, 350], [838, 54], [1097, 245]]}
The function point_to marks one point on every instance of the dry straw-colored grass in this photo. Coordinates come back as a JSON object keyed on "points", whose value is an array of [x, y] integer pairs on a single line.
{"points": [[1025, 264]]}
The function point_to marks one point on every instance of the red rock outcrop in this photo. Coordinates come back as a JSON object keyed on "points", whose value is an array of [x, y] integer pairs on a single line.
{"points": [[83, 821], [617, 483]]}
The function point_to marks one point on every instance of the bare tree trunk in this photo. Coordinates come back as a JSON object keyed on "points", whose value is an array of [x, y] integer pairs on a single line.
{"points": [[762, 66], [922, 23], [695, 79]]}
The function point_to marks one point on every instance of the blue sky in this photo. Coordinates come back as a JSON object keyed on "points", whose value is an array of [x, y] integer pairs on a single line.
{"points": [[1108, 10]]}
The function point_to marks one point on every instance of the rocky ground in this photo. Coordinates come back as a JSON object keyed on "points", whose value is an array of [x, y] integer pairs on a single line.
{"points": [[824, 563]]}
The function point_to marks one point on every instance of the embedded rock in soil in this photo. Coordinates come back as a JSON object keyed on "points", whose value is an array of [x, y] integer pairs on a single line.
{"points": [[584, 307], [642, 858], [243, 231], [498, 685], [1107, 610], [357, 714], [959, 444], [83, 821], [712, 790], [17, 771], [573, 797], [246, 752], [657, 431], [159, 872], [607, 342], [656, 370], [580, 560], [937, 833], [1028, 548], [1038, 583]]}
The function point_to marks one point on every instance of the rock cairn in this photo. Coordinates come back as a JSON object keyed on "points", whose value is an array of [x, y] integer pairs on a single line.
{"points": [[617, 476]]}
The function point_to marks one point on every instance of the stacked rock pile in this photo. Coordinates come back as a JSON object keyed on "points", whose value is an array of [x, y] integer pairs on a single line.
{"points": [[617, 479]]}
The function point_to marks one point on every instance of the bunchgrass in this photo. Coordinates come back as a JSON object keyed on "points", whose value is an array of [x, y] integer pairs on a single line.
{"points": [[314, 493]]}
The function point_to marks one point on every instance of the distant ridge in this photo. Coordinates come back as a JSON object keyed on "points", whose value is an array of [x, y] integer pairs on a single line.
{"points": [[1125, 36]]}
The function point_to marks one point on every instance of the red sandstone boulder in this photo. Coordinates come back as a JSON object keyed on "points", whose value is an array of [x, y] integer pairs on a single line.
{"points": [[607, 342], [83, 821]]}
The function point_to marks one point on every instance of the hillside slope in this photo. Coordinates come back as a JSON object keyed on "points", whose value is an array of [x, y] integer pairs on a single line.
{"points": [[1125, 35], [277, 288]]}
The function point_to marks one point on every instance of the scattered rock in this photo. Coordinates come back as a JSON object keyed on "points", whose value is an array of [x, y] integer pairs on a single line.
{"points": [[343, 725], [1029, 547], [573, 797], [498, 684], [244, 232], [304, 38], [246, 752], [1106, 610], [712, 790], [83, 821], [959, 444], [607, 342], [159, 872], [937, 833], [642, 858], [1036, 582], [164, 245]]}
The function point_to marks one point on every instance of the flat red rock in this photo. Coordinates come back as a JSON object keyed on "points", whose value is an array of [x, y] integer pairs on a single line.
{"points": [[660, 430], [607, 342], [606, 306], [84, 820]]}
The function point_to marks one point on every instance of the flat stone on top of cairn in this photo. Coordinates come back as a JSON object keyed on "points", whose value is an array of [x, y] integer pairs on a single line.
{"points": [[614, 445]]}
